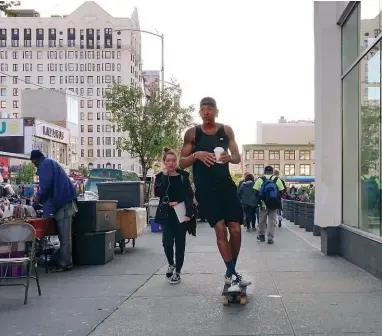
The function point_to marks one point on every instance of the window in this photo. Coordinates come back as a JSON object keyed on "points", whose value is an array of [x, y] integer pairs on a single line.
{"points": [[119, 152], [82, 153], [90, 103], [108, 115], [90, 152], [305, 169], [274, 155], [276, 167], [82, 128], [289, 155], [258, 169], [90, 141], [258, 155], [40, 67], [90, 92], [27, 79], [40, 80], [82, 140], [108, 141], [98, 128], [108, 128], [3, 104], [52, 80], [98, 152], [15, 92], [289, 170], [15, 104], [39, 55], [108, 152], [119, 43], [90, 79], [304, 155], [3, 92]]}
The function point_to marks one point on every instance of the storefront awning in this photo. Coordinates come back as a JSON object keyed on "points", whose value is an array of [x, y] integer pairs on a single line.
{"points": [[15, 155]]}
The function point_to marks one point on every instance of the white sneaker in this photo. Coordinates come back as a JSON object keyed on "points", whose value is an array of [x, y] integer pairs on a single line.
{"points": [[175, 279], [227, 280], [234, 288], [242, 282], [170, 271]]}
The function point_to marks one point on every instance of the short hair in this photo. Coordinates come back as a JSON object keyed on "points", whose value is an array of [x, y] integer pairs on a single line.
{"points": [[276, 172], [249, 177]]}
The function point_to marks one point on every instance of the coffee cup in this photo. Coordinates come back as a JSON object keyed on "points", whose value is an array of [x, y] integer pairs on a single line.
{"points": [[218, 151]]}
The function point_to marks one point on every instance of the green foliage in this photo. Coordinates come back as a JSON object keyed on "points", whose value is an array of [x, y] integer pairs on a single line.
{"points": [[5, 6], [26, 173], [83, 171], [370, 137], [149, 124]]}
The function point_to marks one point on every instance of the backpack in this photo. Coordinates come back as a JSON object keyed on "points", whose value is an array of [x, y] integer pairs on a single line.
{"points": [[370, 191], [269, 193], [247, 194]]}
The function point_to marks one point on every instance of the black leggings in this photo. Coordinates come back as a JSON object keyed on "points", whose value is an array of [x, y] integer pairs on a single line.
{"points": [[173, 231]]}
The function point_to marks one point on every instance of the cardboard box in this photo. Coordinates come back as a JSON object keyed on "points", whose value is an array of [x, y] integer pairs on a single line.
{"points": [[131, 222]]}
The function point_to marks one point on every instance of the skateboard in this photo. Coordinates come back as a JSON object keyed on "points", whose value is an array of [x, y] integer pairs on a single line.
{"points": [[239, 296]]}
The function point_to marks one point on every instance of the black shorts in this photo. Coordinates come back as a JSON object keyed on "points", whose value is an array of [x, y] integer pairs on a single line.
{"points": [[220, 204]]}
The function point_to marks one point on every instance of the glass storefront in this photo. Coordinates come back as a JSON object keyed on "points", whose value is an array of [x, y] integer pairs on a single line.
{"points": [[361, 119]]}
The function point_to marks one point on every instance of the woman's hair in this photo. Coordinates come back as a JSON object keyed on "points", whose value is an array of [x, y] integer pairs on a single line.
{"points": [[167, 151], [249, 177]]}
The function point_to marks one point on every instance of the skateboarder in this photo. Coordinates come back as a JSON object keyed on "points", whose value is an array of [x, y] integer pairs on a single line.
{"points": [[216, 192]]}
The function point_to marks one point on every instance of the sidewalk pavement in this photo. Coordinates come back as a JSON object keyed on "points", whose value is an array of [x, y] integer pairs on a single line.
{"points": [[296, 291]]}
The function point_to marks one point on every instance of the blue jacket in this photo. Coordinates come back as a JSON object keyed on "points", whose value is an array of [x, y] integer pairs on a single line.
{"points": [[56, 189]]}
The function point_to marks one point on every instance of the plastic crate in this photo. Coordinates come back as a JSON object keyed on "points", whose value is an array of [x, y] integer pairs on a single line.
{"points": [[155, 227]]}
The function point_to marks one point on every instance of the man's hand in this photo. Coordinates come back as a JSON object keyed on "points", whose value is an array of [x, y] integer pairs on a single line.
{"points": [[187, 219], [208, 159], [225, 157]]}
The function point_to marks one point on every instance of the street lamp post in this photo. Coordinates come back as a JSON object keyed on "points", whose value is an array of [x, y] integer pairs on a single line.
{"points": [[161, 36]]}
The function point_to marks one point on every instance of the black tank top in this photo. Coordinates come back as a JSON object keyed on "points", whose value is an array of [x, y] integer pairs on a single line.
{"points": [[218, 175]]}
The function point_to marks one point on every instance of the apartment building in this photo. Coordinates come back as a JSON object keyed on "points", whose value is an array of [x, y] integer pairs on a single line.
{"points": [[290, 160], [82, 53], [285, 132]]}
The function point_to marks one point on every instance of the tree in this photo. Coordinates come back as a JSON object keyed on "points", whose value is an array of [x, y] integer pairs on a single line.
{"points": [[83, 171], [26, 173], [5, 7], [149, 123], [370, 137]]}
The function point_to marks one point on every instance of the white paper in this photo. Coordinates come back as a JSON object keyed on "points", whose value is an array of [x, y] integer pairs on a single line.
{"points": [[180, 210]]}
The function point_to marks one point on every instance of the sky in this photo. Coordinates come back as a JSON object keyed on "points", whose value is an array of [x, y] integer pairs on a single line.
{"points": [[256, 58]]}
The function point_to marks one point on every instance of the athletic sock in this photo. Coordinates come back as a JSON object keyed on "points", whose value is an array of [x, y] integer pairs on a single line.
{"points": [[230, 268], [234, 260]]}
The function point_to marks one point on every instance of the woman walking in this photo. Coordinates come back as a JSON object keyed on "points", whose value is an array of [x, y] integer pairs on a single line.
{"points": [[247, 196], [174, 189]]}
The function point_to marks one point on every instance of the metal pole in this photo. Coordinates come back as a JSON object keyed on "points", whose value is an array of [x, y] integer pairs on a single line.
{"points": [[162, 36]]}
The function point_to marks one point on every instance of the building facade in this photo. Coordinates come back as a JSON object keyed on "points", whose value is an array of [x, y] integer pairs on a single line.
{"points": [[83, 53], [290, 160], [348, 129], [285, 132]]}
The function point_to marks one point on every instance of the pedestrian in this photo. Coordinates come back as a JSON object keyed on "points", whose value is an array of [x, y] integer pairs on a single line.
{"points": [[247, 196], [58, 196], [174, 189], [210, 148], [284, 195], [268, 189]]}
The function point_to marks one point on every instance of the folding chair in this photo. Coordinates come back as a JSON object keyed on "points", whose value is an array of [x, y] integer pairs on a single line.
{"points": [[19, 233]]}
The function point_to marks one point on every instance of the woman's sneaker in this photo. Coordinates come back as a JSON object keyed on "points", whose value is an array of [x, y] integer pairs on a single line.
{"points": [[170, 271], [175, 279], [241, 282]]}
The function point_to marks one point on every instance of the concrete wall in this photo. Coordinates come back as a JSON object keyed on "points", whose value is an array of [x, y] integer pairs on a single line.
{"points": [[328, 117]]}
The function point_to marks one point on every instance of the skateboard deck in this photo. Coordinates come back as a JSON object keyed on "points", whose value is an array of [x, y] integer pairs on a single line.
{"points": [[239, 296]]}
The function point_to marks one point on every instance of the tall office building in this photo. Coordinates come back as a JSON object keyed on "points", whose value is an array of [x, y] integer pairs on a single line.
{"points": [[83, 52]]}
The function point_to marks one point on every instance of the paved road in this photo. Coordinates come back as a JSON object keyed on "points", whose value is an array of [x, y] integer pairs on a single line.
{"points": [[296, 291]]}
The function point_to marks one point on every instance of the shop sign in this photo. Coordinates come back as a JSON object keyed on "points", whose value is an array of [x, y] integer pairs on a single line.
{"points": [[11, 127], [54, 133]]}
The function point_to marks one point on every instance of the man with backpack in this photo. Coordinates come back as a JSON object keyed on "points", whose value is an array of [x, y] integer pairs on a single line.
{"points": [[268, 191], [248, 200]]}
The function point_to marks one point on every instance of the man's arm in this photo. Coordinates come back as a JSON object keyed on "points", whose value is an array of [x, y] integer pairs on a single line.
{"points": [[187, 159], [45, 181], [232, 145]]}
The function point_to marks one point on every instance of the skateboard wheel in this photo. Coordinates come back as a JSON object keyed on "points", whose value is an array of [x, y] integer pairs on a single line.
{"points": [[243, 300], [224, 301]]}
